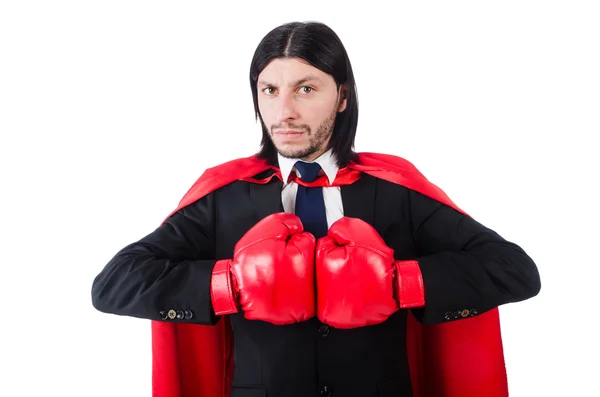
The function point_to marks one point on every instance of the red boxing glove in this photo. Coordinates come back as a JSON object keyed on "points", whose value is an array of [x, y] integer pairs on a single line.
{"points": [[358, 281], [271, 275]]}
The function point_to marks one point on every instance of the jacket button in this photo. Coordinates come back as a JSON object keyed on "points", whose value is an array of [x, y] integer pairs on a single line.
{"points": [[324, 331], [172, 314], [179, 315], [163, 315], [188, 314], [325, 391]]}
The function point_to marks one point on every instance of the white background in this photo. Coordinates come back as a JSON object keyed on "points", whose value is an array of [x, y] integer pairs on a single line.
{"points": [[110, 110]]}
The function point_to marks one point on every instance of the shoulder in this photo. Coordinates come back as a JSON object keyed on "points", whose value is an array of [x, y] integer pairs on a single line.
{"points": [[398, 170], [385, 160], [391, 168], [225, 173], [220, 175], [238, 165]]}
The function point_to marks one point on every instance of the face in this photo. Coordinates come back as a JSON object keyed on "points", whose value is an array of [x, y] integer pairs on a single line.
{"points": [[298, 104]]}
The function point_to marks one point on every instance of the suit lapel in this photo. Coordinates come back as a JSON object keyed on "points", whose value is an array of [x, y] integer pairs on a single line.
{"points": [[359, 199], [266, 199]]}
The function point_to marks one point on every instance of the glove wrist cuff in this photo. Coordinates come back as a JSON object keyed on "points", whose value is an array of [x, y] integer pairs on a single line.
{"points": [[221, 289], [410, 290]]}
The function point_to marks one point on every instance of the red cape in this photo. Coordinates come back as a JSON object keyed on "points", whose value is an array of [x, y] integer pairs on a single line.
{"points": [[462, 358]]}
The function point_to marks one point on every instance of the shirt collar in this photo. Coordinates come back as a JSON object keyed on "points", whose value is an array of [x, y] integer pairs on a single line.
{"points": [[326, 161]]}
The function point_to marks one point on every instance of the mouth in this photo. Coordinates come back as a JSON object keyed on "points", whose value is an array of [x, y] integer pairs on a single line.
{"points": [[289, 133], [289, 136]]}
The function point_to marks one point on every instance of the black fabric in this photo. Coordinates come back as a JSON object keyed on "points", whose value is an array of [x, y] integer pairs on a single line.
{"points": [[465, 266]]}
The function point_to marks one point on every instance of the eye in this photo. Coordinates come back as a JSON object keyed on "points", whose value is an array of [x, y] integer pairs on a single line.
{"points": [[269, 90], [306, 89]]}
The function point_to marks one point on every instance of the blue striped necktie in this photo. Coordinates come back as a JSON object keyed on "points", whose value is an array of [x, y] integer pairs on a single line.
{"points": [[310, 206]]}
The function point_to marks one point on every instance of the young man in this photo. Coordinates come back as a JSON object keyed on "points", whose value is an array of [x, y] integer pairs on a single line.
{"points": [[312, 270]]}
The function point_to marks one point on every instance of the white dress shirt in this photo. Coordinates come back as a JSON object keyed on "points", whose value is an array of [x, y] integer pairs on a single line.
{"points": [[332, 195]]}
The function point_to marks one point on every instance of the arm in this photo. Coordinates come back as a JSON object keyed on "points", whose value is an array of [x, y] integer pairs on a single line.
{"points": [[466, 268], [166, 273]]}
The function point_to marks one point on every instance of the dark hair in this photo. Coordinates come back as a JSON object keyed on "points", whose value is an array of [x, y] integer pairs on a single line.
{"points": [[319, 45]]}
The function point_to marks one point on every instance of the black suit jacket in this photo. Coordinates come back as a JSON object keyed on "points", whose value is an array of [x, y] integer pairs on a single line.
{"points": [[467, 269]]}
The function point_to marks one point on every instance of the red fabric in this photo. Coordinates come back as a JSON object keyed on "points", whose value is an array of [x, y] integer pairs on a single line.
{"points": [[221, 290], [410, 288], [462, 358], [355, 276]]}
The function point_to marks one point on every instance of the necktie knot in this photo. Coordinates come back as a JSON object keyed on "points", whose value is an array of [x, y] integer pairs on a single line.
{"points": [[308, 171]]}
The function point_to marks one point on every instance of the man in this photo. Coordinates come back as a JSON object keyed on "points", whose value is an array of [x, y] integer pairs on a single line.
{"points": [[312, 270]]}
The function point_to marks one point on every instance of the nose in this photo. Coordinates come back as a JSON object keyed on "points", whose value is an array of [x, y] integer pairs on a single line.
{"points": [[287, 108]]}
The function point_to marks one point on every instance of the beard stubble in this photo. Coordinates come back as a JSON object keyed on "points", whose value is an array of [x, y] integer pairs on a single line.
{"points": [[317, 141]]}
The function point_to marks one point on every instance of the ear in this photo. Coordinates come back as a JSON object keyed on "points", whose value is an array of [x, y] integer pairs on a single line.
{"points": [[343, 97]]}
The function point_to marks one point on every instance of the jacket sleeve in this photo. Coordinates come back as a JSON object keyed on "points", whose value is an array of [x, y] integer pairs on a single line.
{"points": [[466, 268], [166, 275]]}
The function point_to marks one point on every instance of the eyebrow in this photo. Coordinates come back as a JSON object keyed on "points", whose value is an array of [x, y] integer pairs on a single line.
{"points": [[297, 82]]}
